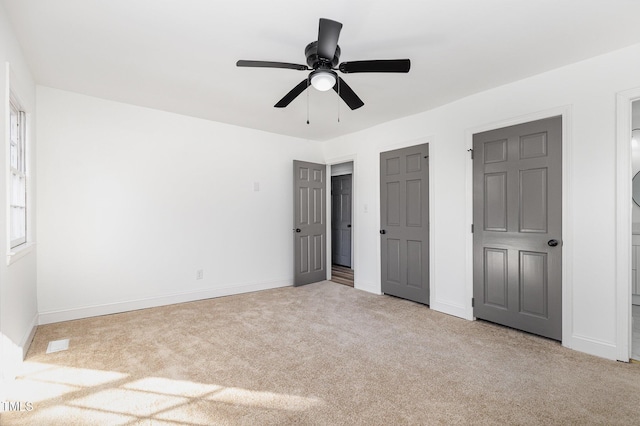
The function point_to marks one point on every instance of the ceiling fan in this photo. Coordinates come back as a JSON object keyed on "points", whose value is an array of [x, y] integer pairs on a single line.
{"points": [[323, 56]]}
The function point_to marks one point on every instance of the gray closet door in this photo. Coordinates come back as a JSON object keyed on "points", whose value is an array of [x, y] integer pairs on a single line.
{"points": [[309, 223], [341, 220], [404, 219], [517, 215]]}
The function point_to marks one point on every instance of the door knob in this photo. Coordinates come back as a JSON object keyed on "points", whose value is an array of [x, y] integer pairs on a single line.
{"points": [[382, 231], [552, 243], [349, 226], [297, 229]]}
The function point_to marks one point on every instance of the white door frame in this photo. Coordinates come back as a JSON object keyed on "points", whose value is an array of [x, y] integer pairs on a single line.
{"points": [[354, 260], [567, 226], [624, 221]]}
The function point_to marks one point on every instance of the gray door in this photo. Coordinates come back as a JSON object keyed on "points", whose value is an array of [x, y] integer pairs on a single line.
{"points": [[341, 220], [517, 202], [404, 219], [309, 225]]}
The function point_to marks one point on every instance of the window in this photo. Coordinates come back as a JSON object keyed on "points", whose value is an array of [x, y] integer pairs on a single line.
{"points": [[18, 178]]}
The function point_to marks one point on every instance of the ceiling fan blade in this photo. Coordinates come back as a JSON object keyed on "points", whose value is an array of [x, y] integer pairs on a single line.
{"points": [[347, 94], [293, 94], [268, 64], [328, 33], [380, 65]]}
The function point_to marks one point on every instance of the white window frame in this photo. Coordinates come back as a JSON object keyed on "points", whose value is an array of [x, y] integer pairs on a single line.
{"points": [[17, 176]]}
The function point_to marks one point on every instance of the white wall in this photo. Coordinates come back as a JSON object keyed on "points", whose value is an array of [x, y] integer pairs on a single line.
{"points": [[18, 309], [133, 201], [587, 91]]}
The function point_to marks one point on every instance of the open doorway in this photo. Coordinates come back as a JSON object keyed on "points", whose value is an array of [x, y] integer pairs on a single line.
{"points": [[342, 223], [635, 230]]}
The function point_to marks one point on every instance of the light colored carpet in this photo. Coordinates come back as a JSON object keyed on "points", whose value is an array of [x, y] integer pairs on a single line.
{"points": [[319, 354]]}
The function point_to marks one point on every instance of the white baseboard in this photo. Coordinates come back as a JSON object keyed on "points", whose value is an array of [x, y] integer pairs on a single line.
{"points": [[592, 346], [25, 343], [152, 302], [368, 287], [444, 307], [450, 308]]}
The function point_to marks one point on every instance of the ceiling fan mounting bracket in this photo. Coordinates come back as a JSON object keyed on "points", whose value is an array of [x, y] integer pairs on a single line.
{"points": [[314, 61]]}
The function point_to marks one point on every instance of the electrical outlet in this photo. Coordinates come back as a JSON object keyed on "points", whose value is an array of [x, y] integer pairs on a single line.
{"points": [[199, 274]]}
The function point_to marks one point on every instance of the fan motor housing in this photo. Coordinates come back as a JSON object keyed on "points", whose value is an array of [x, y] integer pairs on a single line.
{"points": [[314, 61]]}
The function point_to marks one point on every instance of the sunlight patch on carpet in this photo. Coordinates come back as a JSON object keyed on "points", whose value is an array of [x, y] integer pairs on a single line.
{"points": [[42, 381], [161, 385]]}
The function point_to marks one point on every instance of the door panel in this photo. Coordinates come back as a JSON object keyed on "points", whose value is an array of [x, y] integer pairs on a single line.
{"points": [[495, 277], [533, 200], [318, 201], [495, 151], [533, 283], [517, 175], [392, 203], [495, 202], [393, 261], [341, 220], [414, 203], [309, 223], [303, 246], [404, 219], [414, 264]]}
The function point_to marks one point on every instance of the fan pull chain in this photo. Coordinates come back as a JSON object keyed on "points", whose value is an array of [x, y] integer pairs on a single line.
{"points": [[308, 101], [339, 99]]}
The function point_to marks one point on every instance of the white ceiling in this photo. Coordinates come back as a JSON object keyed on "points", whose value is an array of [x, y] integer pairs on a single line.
{"points": [[180, 55]]}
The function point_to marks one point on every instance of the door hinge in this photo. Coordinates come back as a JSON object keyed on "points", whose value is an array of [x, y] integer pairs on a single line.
{"points": [[473, 302], [472, 228], [470, 151]]}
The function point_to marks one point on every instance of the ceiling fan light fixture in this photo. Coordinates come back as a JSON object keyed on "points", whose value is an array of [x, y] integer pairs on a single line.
{"points": [[323, 80], [323, 57]]}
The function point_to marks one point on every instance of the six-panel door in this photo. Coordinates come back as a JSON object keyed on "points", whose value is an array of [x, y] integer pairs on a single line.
{"points": [[404, 219], [309, 228], [518, 226]]}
